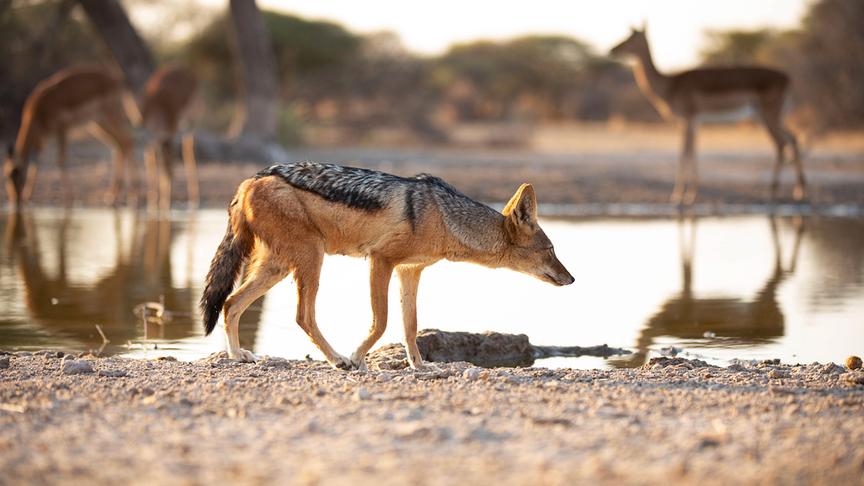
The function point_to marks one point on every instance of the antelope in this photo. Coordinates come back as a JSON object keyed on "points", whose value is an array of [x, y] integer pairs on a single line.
{"points": [[166, 97], [688, 94], [91, 96], [95, 97]]}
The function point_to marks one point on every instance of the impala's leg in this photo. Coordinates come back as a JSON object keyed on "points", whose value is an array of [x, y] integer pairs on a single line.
{"points": [[115, 124], [191, 170], [379, 282], [779, 140], [678, 192], [800, 191], [127, 152], [771, 108], [29, 182], [151, 168], [307, 274], [263, 275], [690, 154], [117, 135], [165, 174], [62, 151], [409, 278]]}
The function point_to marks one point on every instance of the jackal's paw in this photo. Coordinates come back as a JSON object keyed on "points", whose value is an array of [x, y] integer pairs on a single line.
{"points": [[359, 363], [242, 355], [341, 363]]}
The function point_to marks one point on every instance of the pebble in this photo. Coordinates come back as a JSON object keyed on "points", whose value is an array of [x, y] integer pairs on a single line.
{"points": [[362, 394], [4, 362], [113, 373], [853, 362], [854, 378], [76, 367], [775, 374], [472, 374]]}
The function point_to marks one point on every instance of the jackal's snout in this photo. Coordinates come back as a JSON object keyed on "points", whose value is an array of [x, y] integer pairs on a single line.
{"points": [[559, 275]]}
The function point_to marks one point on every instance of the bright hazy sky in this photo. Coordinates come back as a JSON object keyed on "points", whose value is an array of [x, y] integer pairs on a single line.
{"points": [[675, 27]]}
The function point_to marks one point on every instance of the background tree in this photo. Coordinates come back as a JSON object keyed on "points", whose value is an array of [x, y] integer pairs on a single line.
{"points": [[257, 114], [128, 49]]}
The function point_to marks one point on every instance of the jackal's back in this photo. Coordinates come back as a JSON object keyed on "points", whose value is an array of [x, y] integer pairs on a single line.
{"points": [[413, 197], [352, 186]]}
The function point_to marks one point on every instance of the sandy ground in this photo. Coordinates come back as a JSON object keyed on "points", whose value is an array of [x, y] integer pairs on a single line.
{"points": [[217, 421], [582, 165]]}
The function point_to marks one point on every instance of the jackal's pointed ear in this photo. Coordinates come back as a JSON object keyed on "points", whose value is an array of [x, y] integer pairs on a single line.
{"points": [[522, 208]]}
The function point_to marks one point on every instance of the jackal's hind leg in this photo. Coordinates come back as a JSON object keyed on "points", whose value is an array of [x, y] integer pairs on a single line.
{"points": [[307, 275], [262, 277]]}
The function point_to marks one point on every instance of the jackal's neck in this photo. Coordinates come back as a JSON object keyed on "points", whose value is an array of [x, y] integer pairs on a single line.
{"points": [[483, 241]]}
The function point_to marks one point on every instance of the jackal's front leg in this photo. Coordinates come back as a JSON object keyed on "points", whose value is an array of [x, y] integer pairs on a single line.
{"points": [[379, 283], [409, 278]]}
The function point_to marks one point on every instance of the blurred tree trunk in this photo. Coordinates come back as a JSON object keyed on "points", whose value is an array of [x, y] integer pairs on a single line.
{"points": [[257, 115], [129, 51]]}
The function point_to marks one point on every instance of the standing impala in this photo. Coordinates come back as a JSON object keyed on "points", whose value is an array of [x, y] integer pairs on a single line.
{"points": [[166, 97], [688, 94], [78, 96]]}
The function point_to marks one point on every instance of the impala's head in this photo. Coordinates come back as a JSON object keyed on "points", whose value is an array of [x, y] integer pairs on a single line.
{"points": [[530, 250], [15, 177], [633, 45]]}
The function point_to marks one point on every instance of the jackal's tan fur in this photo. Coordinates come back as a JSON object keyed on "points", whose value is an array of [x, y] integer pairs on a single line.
{"points": [[285, 230]]}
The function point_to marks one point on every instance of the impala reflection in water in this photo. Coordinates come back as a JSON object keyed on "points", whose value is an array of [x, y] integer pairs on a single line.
{"points": [[749, 287]]}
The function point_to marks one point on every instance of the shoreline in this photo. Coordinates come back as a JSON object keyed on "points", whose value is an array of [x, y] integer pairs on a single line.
{"points": [[301, 422], [619, 176]]}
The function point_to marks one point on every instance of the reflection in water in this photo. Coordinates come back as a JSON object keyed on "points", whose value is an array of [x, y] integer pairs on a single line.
{"points": [[141, 273], [728, 321], [756, 293]]}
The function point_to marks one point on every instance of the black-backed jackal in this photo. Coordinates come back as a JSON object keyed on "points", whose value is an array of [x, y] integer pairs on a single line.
{"points": [[286, 218]]}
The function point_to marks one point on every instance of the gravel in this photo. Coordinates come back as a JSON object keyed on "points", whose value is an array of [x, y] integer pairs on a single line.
{"points": [[279, 421]]}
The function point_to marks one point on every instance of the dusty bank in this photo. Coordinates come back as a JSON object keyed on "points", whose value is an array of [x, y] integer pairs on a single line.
{"points": [[214, 421]]}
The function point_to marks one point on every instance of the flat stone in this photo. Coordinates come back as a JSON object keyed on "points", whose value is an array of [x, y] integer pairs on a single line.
{"points": [[77, 367]]}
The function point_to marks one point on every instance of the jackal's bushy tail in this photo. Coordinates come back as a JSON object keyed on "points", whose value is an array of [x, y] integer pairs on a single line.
{"points": [[225, 267]]}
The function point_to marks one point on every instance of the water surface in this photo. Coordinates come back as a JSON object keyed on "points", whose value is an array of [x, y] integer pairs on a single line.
{"points": [[717, 288]]}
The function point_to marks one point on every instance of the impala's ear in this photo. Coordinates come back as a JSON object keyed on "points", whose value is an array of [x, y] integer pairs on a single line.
{"points": [[522, 208]]}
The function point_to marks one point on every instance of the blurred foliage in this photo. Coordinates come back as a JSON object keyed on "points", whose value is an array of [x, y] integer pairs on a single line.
{"points": [[536, 79], [825, 59], [300, 46], [741, 47], [830, 61]]}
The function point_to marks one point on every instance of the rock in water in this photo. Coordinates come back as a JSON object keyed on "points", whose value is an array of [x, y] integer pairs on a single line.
{"points": [[77, 367], [4, 362]]}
